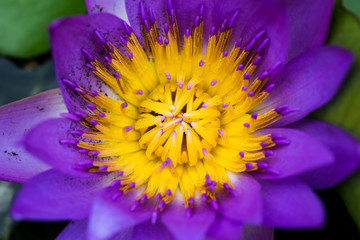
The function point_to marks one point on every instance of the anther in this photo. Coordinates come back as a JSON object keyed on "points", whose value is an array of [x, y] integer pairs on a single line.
{"points": [[124, 105], [213, 31], [71, 116], [168, 192], [248, 165], [254, 115], [251, 94], [232, 19], [147, 26], [239, 67], [225, 54], [81, 91], [247, 76], [158, 196], [69, 141], [135, 205], [91, 107], [187, 33], [203, 197], [168, 76], [160, 40], [269, 88], [94, 122], [247, 125], [117, 195], [94, 93], [101, 114], [263, 75], [262, 45], [143, 198], [166, 41], [221, 132], [94, 153], [108, 59], [241, 154], [128, 29], [93, 68], [166, 28], [225, 105], [123, 41], [268, 153], [103, 168], [117, 75], [142, 12], [69, 83], [88, 55], [281, 141], [214, 204], [257, 60], [132, 185], [115, 183], [201, 63], [128, 128], [121, 173], [162, 204], [197, 21], [130, 55], [77, 132], [213, 82], [151, 16], [263, 144], [139, 92], [84, 151]]}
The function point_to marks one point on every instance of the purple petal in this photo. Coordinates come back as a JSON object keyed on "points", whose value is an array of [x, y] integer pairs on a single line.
{"points": [[304, 153], [251, 232], [115, 7], [43, 141], [344, 147], [195, 227], [309, 23], [224, 228], [150, 231], [74, 230], [246, 206], [54, 196], [68, 36], [109, 216], [290, 203], [308, 82], [16, 119]]}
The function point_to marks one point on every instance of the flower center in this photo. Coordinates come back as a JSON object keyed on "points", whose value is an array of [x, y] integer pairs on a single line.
{"points": [[185, 119], [178, 123]]}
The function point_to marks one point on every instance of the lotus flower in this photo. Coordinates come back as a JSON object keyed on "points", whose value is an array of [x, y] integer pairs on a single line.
{"points": [[185, 124]]}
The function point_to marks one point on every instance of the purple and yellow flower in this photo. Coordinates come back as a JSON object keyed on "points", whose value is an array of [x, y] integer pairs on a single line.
{"points": [[184, 124]]}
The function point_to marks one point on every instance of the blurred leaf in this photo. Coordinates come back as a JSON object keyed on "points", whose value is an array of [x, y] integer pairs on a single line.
{"points": [[343, 110], [7, 191], [353, 6], [16, 83], [23, 24]]}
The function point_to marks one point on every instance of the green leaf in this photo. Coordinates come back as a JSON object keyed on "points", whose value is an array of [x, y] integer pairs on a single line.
{"points": [[343, 110], [353, 6], [23, 24]]}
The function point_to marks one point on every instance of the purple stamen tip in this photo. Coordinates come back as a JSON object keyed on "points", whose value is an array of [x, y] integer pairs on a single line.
{"points": [[86, 163], [247, 125], [83, 151], [128, 128], [233, 192], [135, 205], [95, 153], [181, 85], [140, 92], [162, 204], [128, 29], [100, 37], [160, 40], [101, 114], [71, 116], [124, 105], [189, 86], [201, 63], [187, 33], [212, 31], [221, 132], [108, 59], [103, 168], [276, 136], [123, 40], [91, 107], [207, 176], [158, 196], [69, 141], [213, 82], [117, 195], [251, 94], [80, 114], [166, 41], [262, 45], [168, 192], [232, 19], [147, 26], [154, 216], [248, 165], [214, 204], [90, 66], [116, 182], [247, 76], [132, 185], [224, 25], [88, 55], [121, 173], [201, 9], [94, 122], [81, 91], [268, 153], [151, 16], [205, 152], [270, 88], [168, 76], [281, 141], [254, 115], [240, 67], [203, 197], [263, 144], [166, 28], [226, 53], [275, 67], [69, 83], [130, 55], [241, 154], [257, 60], [262, 165], [77, 132], [204, 105], [117, 75], [225, 105], [197, 21], [143, 198], [226, 186], [191, 201], [263, 75], [94, 93]]}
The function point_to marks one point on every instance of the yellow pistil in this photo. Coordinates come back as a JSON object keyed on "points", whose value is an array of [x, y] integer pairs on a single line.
{"points": [[185, 118]]}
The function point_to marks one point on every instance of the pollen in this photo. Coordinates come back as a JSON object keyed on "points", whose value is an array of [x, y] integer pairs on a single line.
{"points": [[186, 117]]}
